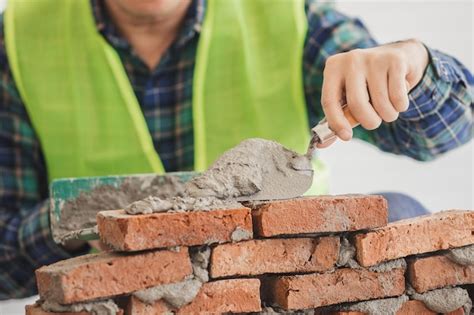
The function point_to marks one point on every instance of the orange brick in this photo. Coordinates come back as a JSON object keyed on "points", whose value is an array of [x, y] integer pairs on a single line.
{"points": [[342, 285], [320, 214], [37, 310], [137, 307], [107, 274], [157, 230], [257, 257], [442, 230], [223, 296], [436, 272], [414, 307]]}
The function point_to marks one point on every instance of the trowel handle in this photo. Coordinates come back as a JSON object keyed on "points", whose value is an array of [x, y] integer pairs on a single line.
{"points": [[322, 131]]}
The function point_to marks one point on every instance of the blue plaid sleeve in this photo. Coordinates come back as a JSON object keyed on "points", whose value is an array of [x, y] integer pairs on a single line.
{"points": [[440, 113], [25, 236]]}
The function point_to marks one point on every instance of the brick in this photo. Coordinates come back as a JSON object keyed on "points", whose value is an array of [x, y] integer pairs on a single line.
{"points": [[37, 310], [138, 232], [412, 307], [223, 296], [435, 272], [257, 257], [342, 285], [442, 230], [320, 214], [417, 307], [108, 274]]}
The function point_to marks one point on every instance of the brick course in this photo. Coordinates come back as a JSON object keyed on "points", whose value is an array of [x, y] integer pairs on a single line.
{"points": [[223, 296], [343, 285], [435, 272], [157, 230], [107, 274], [442, 230], [320, 214], [257, 257]]}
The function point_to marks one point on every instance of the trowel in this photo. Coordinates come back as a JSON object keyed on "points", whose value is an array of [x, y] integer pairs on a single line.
{"points": [[297, 176], [291, 176]]}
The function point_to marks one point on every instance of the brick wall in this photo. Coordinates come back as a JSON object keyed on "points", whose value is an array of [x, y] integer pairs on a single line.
{"points": [[312, 253]]}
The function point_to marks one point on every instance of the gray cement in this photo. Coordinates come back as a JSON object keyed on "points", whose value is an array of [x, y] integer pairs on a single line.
{"points": [[388, 306], [107, 307], [240, 234], [462, 255], [181, 293], [80, 213], [444, 300], [256, 169]]}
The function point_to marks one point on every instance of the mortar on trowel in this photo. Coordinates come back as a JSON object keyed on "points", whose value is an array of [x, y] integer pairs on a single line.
{"points": [[255, 170]]}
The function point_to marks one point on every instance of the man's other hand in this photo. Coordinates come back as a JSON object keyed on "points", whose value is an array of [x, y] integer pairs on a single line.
{"points": [[374, 83]]}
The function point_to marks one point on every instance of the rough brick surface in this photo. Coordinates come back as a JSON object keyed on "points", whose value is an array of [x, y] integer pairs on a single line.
{"points": [[435, 272], [414, 307], [320, 214], [37, 310], [408, 308], [107, 274], [223, 296], [442, 230], [257, 257], [343, 285], [137, 232]]}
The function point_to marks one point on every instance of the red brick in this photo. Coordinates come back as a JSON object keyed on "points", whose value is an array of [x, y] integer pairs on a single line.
{"points": [[223, 296], [342, 285], [257, 257], [442, 230], [107, 274], [414, 307], [320, 214], [137, 232], [137, 307], [436, 272], [37, 310]]}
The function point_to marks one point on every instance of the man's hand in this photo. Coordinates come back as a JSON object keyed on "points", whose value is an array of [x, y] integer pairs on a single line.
{"points": [[373, 82]]}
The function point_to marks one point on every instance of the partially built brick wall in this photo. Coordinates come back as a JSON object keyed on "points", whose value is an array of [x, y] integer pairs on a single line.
{"points": [[313, 253]]}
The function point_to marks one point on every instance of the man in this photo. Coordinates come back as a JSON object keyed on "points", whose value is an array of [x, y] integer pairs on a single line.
{"points": [[409, 99]]}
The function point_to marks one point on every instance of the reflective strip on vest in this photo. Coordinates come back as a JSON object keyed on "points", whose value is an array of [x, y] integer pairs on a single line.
{"points": [[247, 83]]}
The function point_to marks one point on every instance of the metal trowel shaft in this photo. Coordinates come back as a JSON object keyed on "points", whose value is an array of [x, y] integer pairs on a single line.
{"points": [[321, 133]]}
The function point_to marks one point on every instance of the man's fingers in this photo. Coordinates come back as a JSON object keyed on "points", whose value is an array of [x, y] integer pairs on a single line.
{"points": [[397, 88], [379, 98], [331, 100], [358, 102]]}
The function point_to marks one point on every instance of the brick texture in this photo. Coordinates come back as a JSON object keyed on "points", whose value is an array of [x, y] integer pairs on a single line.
{"points": [[343, 285], [435, 272], [320, 214], [257, 257], [108, 274], [137, 232], [442, 230], [223, 296], [414, 307], [37, 310]]}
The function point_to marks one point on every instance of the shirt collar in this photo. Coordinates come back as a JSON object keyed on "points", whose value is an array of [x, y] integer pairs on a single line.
{"points": [[191, 27]]}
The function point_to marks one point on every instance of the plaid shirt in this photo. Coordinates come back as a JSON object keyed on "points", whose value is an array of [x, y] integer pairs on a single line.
{"points": [[439, 119]]}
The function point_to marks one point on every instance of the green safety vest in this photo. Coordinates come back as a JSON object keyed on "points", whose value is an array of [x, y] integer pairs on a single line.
{"points": [[247, 83]]}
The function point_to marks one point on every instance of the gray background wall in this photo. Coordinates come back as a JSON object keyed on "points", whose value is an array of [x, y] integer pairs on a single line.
{"points": [[359, 168]]}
